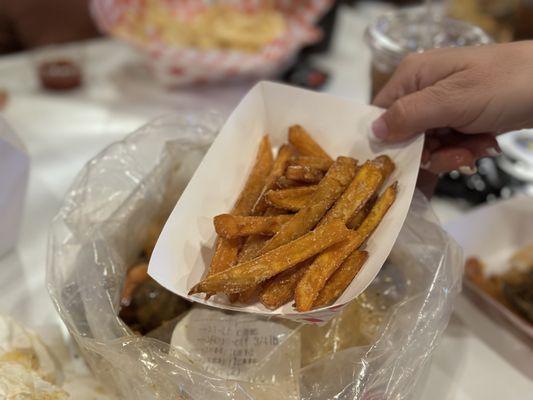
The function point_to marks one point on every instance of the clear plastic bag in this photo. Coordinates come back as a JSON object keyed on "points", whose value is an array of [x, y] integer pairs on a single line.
{"points": [[376, 347]]}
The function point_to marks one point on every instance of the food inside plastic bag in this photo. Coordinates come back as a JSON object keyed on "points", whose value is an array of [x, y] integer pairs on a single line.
{"points": [[375, 348], [27, 368]]}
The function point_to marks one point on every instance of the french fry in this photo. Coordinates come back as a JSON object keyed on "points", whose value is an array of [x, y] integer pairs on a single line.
{"points": [[305, 144], [292, 199], [257, 179], [341, 279], [226, 251], [285, 183], [251, 273], [327, 262], [280, 289], [366, 182], [304, 174], [231, 226], [278, 169], [319, 163], [385, 165], [328, 190], [357, 219]]}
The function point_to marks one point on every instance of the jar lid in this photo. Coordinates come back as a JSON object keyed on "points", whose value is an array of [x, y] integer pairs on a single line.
{"points": [[397, 33]]}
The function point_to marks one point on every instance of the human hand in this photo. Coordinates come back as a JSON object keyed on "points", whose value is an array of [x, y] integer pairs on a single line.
{"points": [[461, 98]]}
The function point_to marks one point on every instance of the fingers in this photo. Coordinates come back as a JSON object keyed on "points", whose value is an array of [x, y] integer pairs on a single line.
{"points": [[413, 114], [416, 72]]}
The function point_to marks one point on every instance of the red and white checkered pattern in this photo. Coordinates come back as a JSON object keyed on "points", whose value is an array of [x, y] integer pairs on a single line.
{"points": [[174, 66]]}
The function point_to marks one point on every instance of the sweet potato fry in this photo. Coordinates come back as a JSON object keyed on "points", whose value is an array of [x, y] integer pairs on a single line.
{"points": [[256, 180], [292, 199], [328, 190], [304, 174], [385, 165], [280, 289], [341, 279], [305, 144], [319, 163], [366, 182], [231, 226], [226, 251], [357, 219], [327, 262], [285, 183], [278, 169], [248, 274]]}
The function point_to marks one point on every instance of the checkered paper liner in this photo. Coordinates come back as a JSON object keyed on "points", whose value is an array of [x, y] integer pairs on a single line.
{"points": [[175, 66]]}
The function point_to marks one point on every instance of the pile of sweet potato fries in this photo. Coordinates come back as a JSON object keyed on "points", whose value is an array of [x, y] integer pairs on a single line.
{"points": [[298, 228]]}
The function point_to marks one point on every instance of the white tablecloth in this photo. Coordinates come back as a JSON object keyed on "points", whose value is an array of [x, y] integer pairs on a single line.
{"points": [[62, 131]]}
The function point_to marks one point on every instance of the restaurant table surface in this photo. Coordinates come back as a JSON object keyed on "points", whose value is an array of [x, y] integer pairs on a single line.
{"points": [[63, 131]]}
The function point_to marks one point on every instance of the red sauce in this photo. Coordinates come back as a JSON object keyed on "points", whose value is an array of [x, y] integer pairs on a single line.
{"points": [[60, 75]]}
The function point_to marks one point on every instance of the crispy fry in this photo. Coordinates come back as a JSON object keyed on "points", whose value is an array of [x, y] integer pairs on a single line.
{"points": [[385, 165], [278, 169], [327, 263], [226, 251], [341, 279], [304, 174], [366, 182], [292, 199], [305, 144], [253, 272], [319, 163], [257, 179], [357, 219], [231, 226], [285, 183], [329, 189], [280, 289]]}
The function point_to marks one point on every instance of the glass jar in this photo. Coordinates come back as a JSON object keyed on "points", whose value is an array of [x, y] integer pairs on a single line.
{"points": [[395, 34]]}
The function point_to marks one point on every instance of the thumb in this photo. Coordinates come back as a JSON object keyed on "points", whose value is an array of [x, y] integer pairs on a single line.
{"points": [[413, 114]]}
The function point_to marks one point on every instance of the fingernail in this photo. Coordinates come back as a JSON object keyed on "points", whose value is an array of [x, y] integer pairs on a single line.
{"points": [[379, 128], [425, 165], [467, 170], [493, 151]]}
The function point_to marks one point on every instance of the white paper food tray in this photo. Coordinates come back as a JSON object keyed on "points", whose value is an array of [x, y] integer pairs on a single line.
{"points": [[493, 233], [184, 249]]}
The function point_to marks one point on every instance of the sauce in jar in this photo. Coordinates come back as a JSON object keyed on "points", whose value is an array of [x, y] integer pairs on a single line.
{"points": [[60, 74]]}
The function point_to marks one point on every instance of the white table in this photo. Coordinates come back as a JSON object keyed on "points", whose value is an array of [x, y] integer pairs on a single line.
{"points": [[63, 131]]}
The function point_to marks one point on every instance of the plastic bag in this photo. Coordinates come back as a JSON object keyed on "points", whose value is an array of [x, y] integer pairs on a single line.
{"points": [[376, 348], [175, 64]]}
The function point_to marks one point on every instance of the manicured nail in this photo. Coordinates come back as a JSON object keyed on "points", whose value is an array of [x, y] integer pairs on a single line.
{"points": [[379, 128], [425, 165], [467, 170], [493, 151]]}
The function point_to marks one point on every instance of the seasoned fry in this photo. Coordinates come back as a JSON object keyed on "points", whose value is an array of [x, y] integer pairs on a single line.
{"points": [[285, 183], [231, 226], [357, 219], [253, 272], [257, 179], [278, 169], [329, 189], [366, 182], [385, 165], [304, 174], [280, 289], [226, 251], [341, 279], [327, 262], [292, 199], [319, 163], [305, 144]]}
